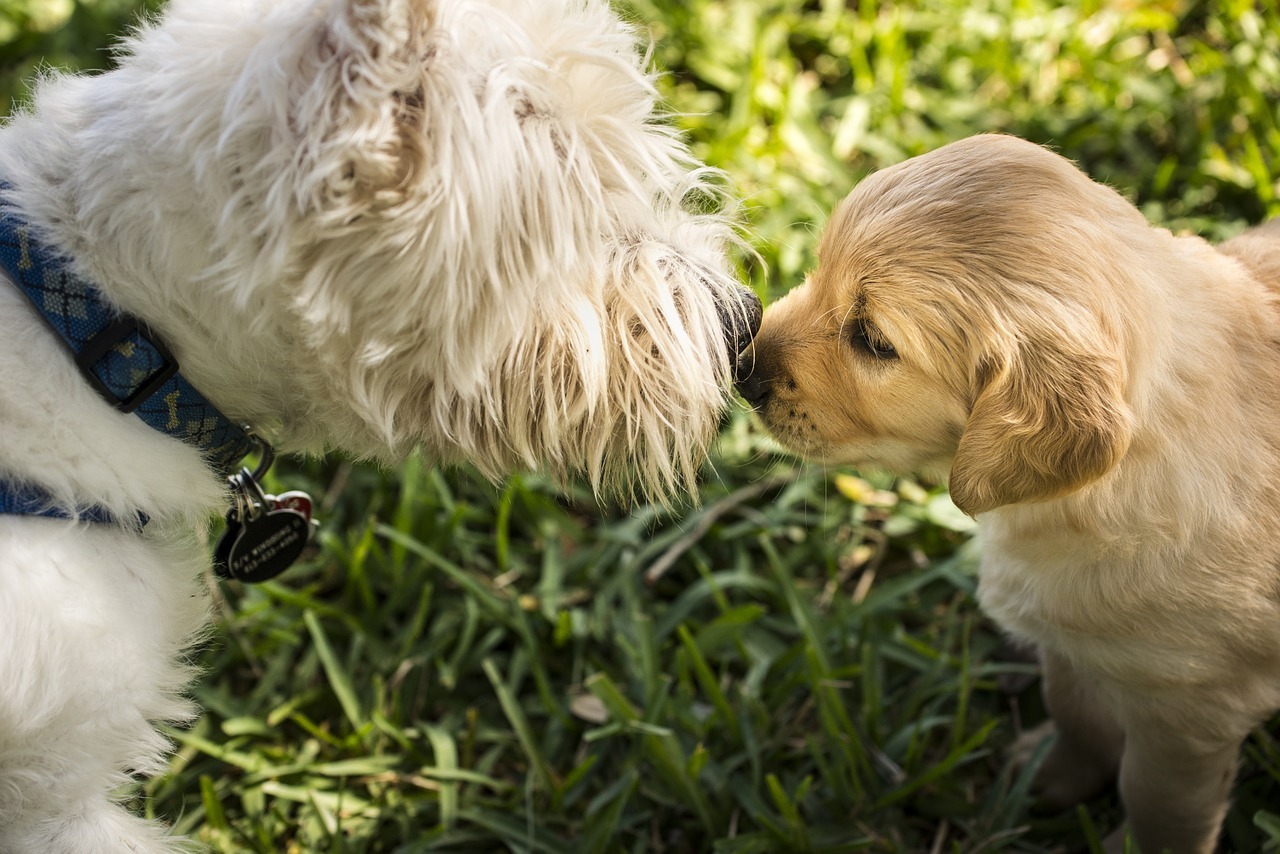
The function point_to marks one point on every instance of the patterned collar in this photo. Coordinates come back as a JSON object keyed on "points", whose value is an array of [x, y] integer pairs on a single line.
{"points": [[118, 355]]}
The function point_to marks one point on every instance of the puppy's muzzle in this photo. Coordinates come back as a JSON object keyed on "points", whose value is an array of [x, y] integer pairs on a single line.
{"points": [[753, 385], [758, 373]]}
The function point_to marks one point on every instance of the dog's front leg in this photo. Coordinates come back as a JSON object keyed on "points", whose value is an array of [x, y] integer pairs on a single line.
{"points": [[1086, 755], [93, 624], [1175, 788]]}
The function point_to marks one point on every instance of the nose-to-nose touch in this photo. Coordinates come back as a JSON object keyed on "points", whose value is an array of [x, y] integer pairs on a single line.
{"points": [[753, 311], [741, 320], [754, 383]]}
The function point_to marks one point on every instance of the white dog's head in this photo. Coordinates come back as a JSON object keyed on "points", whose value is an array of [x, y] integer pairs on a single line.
{"points": [[976, 309], [376, 225]]}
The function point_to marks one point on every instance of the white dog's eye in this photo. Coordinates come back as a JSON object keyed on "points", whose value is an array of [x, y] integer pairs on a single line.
{"points": [[869, 339]]}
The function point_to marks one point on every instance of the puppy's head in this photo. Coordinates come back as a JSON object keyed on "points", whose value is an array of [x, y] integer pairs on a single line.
{"points": [[964, 313]]}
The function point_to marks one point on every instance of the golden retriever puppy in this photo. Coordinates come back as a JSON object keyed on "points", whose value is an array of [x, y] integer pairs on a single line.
{"points": [[1106, 399]]}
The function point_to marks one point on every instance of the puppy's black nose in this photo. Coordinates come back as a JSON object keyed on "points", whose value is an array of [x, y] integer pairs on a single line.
{"points": [[754, 383]]}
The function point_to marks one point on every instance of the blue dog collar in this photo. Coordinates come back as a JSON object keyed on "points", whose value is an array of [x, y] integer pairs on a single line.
{"points": [[25, 500], [126, 363]]}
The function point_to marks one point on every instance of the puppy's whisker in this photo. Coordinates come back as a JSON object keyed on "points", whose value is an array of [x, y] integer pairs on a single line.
{"points": [[844, 321]]}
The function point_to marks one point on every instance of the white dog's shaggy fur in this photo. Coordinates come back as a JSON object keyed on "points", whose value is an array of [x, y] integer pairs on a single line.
{"points": [[371, 225], [1106, 398]]}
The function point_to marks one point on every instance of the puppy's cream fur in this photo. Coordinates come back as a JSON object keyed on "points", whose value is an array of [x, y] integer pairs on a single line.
{"points": [[460, 226], [1105, 398]]}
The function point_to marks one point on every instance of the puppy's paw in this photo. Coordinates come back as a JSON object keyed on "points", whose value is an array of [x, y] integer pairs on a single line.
{"points": [[1067, 776], [1028, 742], [1119, 841]]}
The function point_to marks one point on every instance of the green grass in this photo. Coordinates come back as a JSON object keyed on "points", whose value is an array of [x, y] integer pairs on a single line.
{"points": [[795, 664]]}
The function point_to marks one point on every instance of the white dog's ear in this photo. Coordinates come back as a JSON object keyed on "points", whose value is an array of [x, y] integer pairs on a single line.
{"points": [[1043, 424], [359, 118]]}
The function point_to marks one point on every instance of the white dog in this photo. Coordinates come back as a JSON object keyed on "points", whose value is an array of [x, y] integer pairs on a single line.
{"points": [[373, 225], [1106, 398]]}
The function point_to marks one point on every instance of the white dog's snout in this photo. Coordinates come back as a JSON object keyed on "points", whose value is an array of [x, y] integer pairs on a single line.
{"points": [[741, 320]]}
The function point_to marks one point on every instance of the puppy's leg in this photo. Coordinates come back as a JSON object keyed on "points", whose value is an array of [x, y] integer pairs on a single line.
{"points": [[92, 625], [1175, 788], [1086, 756]]}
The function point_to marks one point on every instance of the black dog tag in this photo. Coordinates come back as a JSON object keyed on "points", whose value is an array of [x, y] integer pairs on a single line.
{"points": [[265, 533], [261, 547]]}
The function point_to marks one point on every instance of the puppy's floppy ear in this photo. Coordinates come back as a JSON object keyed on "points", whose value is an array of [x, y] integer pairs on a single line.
{"points": [[1044, 424]]}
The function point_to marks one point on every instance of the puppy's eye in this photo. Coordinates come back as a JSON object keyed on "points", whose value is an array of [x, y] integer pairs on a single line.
{"points": [[867, 338]]}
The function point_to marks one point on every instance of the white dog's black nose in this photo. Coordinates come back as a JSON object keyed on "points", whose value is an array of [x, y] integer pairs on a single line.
{"points": [[741, 322]]}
